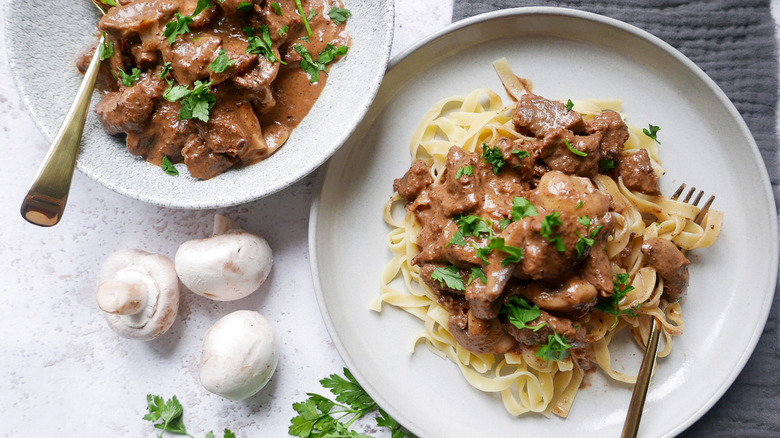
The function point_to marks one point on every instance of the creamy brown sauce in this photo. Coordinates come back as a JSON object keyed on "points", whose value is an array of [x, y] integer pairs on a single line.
{"points": [[259, 101]]}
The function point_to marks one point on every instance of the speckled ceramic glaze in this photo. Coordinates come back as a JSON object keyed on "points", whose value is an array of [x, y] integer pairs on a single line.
{"points": [[42, 50]]}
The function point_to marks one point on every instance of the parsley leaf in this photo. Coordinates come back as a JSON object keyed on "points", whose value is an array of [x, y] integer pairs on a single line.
{"points": [[222, 62], [498, 243], [339, 15], [521, 208], [520, 313], [521, 153], [619, 291], [277, 8], [303, 16], [579, 205], [200, 7], [494, 156], [312, 67], [168, 412], [477, 273], [574, 151], [556, 348], [178, 26], [245, 7], [503, 223], [583, 244], [196, 104], [263, 45], [108, 2], [283, 30], [584, 220], [226, 434], [106, 49], [168, 167], [652, 132], [129, 79], [606, 165], [550, 221], [312, 14], [467, 170], [320, 417], [449, 277], [470, 226], [569, 105], [165, 70]]}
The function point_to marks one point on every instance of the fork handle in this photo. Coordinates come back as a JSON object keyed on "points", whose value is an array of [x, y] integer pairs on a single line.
{"points": [[45, 201], [634, 415]]}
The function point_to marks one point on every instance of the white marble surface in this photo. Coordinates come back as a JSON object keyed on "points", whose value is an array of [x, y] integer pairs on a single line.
{"points": [[65, 373]]}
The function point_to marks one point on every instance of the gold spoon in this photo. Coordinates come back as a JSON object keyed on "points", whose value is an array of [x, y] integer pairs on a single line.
{"points": [[45, 201]]}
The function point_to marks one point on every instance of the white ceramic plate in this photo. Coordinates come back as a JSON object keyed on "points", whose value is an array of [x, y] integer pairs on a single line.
{"points": [[567, 54], [42, 51]]}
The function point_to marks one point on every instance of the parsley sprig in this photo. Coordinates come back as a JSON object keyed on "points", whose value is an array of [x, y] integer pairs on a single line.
{"points": [[470, 226], [522, 208], [494, 156], [550, 221], [181, 23], [569, 105], [312, 67], [652, 132], [514, 254], [620, 289], [465, 170], [520, 313], [449, 277], [557, 348], [263, 45], [168, 416], [222, 62], [321, 417], [106, 49], [129, 79], [196, 103]]}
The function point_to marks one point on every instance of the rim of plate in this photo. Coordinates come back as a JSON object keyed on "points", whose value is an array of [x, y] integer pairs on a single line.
{"points": [[309, 166], [620, 25]]}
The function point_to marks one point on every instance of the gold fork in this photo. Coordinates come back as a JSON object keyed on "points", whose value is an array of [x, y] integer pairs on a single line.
{"points": [[634, 415], [45, 201]]}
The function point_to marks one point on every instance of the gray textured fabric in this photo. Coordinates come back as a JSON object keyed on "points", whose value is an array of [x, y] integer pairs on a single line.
{"points": [[734, 42]]}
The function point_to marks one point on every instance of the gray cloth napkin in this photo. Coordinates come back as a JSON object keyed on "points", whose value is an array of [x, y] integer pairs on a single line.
{"points": [[734, 42]]}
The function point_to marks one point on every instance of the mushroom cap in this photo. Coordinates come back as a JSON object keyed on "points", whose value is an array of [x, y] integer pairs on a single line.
{"points": [[240, 353], [155, 275], [226, 266]]}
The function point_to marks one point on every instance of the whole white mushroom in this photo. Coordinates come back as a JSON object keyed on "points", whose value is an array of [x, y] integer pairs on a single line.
{"points": [[229, 265], [239, 355], [139, 293]]}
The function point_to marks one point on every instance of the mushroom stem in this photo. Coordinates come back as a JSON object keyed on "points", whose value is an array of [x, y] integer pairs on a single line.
{"points": [[120, 297]]}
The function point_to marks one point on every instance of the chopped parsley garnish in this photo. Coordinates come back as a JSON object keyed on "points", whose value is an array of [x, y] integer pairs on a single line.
{"points": [[320, 417], [221, 63], [619, 291], [606, 165], [246, 7], [477, 273], [579, 205], [312, 14], [283, 30], [520, 313], [521, 208], [303, 16], [277, 8], [557, 348], [249, 30], [201, 6], [503, 223], [312, 67], [521, 153], [196, 104], [466, 170], [339, 15], [494, 156], [263, 45], [584, 220], [305, 38], [168, 413], [470, 226], [449, 277], [108, 2], [550, 221], [498, 243], [583, 244], [165, 70], [178, 26], [569, 105], [168, 167], [106, 49], [129, 79], [574, 151], [652, 132]]}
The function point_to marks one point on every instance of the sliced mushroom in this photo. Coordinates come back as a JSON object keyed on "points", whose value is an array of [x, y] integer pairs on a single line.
{"points": [[239, 355], [229, 265], [139, 293]]}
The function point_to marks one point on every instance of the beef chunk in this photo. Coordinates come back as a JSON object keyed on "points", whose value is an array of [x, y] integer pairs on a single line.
{"points": [[483, 335], [670, 263], [637, 173], [128, 109], [417, 178], [538, 116], [613, 133], [557, 155], [203, 162], [564, 326]]}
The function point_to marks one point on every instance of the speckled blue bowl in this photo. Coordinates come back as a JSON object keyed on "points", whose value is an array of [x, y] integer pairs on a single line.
{"points": [[42, 51]]}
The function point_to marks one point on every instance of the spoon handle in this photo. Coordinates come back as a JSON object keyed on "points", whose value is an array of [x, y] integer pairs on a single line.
{"points": [[45, 201]]}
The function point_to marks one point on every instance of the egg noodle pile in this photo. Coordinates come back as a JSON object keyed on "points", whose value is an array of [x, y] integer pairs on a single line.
{"points": [[526, 382]]}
